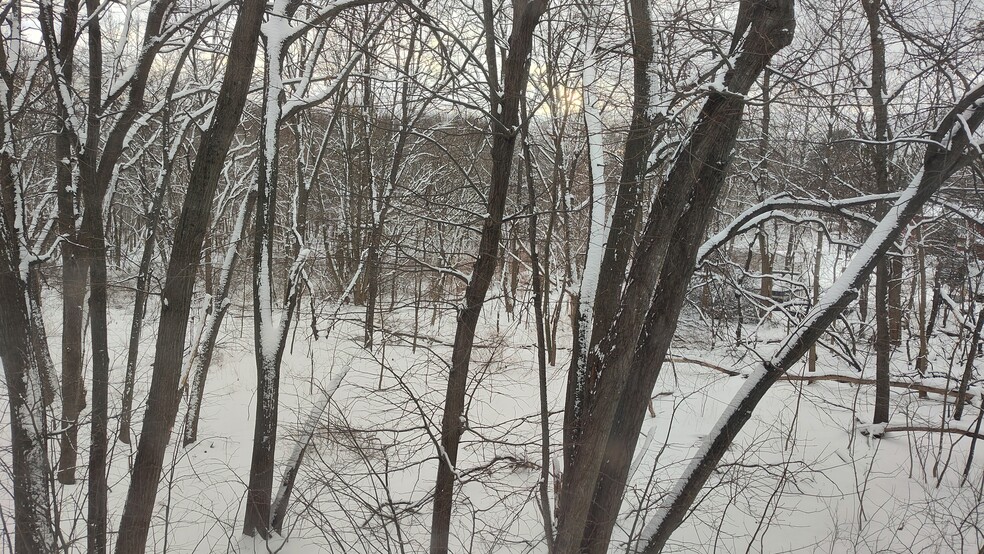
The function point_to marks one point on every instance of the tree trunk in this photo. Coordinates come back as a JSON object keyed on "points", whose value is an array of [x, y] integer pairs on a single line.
{"points": [[143, 290], [33, 526], [593, 486], [164, 396], [614, 240], [885, 273], [216, 311], [975, 340], [541, 346], [504, 122]]}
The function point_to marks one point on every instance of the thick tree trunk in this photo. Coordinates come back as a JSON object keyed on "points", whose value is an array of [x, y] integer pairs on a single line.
{"points": [[33, 526], [593, 485], [73, 389], [598, 311], [74, 271], [164, 396], [504, 125], [93, 241], [140, 301]]}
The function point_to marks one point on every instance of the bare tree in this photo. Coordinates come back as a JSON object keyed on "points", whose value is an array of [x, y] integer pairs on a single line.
{"points": [[164, 396], [504, 119], [660, 271]]}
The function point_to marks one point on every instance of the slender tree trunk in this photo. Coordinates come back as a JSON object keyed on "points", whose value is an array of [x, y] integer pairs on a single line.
{"points": [[811, 360], [883, 345], [934, 309], [922, 357], [975, 340], [885, 272], [164, 396], [541, 347], [93, 240], [216, 311], [505, 121]]}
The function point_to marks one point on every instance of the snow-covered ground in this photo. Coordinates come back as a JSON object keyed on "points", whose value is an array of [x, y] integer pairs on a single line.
{"points": [[801, 477]]}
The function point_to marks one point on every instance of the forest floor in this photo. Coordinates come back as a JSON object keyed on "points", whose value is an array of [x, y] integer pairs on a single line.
{"points": [[801, 477]]}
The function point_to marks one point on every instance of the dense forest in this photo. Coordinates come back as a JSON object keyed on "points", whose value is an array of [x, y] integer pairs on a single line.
{"points": [[459, 276]]}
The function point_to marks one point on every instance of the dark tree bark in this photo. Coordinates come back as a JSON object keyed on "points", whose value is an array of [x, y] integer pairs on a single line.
{"points": [[164, 397], [74, 271], [541, 348], [33, 527], [505, 121], [594, 483], [93, 241], [884, 274], [618, 247], [151, 226]]}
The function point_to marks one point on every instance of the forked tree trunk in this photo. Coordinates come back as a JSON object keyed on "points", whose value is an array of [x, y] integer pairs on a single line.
{"points": [[593, 486], [33, 526], [504, 122], [609, 246]]}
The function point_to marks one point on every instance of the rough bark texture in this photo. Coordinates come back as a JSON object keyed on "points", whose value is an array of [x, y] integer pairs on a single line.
{"points": [[591, 489], [505, 123], [33, 527], [621, 235], [164, 397], [73, 269]]}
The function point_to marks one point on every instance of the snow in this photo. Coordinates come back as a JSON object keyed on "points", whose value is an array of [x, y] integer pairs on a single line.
{"points": [[599, 228], [373, 451]]}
